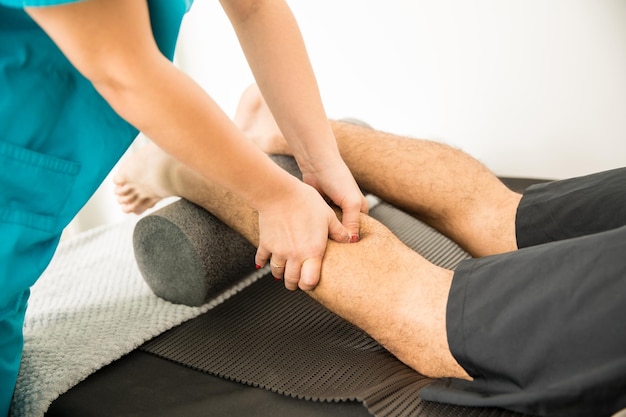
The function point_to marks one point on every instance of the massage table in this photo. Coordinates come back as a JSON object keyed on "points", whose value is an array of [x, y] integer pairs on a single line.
{"points": [[99, 342]]}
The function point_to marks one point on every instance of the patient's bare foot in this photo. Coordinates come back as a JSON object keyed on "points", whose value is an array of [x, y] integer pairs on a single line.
{"points": [[255, 119], [144, 179]]}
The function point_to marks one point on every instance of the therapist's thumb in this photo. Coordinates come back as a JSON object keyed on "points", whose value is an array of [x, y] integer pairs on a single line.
{"points": [[337, 232], [351, 219]]}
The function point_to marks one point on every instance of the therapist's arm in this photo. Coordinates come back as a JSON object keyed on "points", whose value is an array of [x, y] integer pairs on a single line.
{"points": [[111, 43], [276, 53]]}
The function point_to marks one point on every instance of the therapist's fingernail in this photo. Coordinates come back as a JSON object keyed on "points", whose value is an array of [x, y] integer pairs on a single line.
{"points": [[354, 238], [257, 266]]}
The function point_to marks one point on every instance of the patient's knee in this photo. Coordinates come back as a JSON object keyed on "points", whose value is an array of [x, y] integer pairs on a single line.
{"points": [[372, 231]]}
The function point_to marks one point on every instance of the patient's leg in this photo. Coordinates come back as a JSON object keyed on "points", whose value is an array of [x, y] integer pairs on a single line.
{"points": [[398, 297], [443, 186]]}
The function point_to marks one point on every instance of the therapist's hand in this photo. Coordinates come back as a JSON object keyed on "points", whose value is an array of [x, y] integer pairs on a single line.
{"points": [[334, 180], [293, 234]]}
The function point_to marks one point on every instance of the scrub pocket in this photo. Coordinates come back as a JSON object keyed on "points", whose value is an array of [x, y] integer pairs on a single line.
{"points": [[34, 187]]}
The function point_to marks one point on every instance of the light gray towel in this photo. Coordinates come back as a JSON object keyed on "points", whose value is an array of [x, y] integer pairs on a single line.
{"points": [[90, 307]]}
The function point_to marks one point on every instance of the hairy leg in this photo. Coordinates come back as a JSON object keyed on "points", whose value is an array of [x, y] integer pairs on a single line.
{"points": [[443, 186], [399, 299]]}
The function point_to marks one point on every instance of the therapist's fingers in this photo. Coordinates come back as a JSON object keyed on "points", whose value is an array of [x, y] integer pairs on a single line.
{"points": [[296, 229], [309, 274], [337, 231], [335, 181], [351, 216], [278, 267], [262, 256]]}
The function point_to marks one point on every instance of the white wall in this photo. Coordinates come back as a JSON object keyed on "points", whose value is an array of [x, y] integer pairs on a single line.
{"points": [[530, 87]]}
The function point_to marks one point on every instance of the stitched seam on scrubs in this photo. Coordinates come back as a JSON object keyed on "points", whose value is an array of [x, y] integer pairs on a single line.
{"points": [[40, 160], [36, 221]]}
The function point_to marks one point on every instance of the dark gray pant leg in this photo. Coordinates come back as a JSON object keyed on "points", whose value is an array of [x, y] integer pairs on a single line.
{"points": [[570, 208]]}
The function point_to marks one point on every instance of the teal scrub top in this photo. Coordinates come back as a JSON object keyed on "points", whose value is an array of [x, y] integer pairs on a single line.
{"points": [[58, 137], [58, 141]]}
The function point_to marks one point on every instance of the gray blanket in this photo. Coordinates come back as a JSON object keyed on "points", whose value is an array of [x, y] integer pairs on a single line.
{"points": [[90, 308]]}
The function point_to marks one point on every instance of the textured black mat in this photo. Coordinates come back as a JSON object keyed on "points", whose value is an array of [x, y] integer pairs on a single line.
{"points": [[144, 385], [285, 342]]}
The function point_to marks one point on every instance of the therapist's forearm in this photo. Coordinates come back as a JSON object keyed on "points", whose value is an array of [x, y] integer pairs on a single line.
{"points": [[272, 42], [168, 106], [111, 43]]}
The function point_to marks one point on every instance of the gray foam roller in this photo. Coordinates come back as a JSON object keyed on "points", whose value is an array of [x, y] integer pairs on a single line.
{"points": [[187, 256]]}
